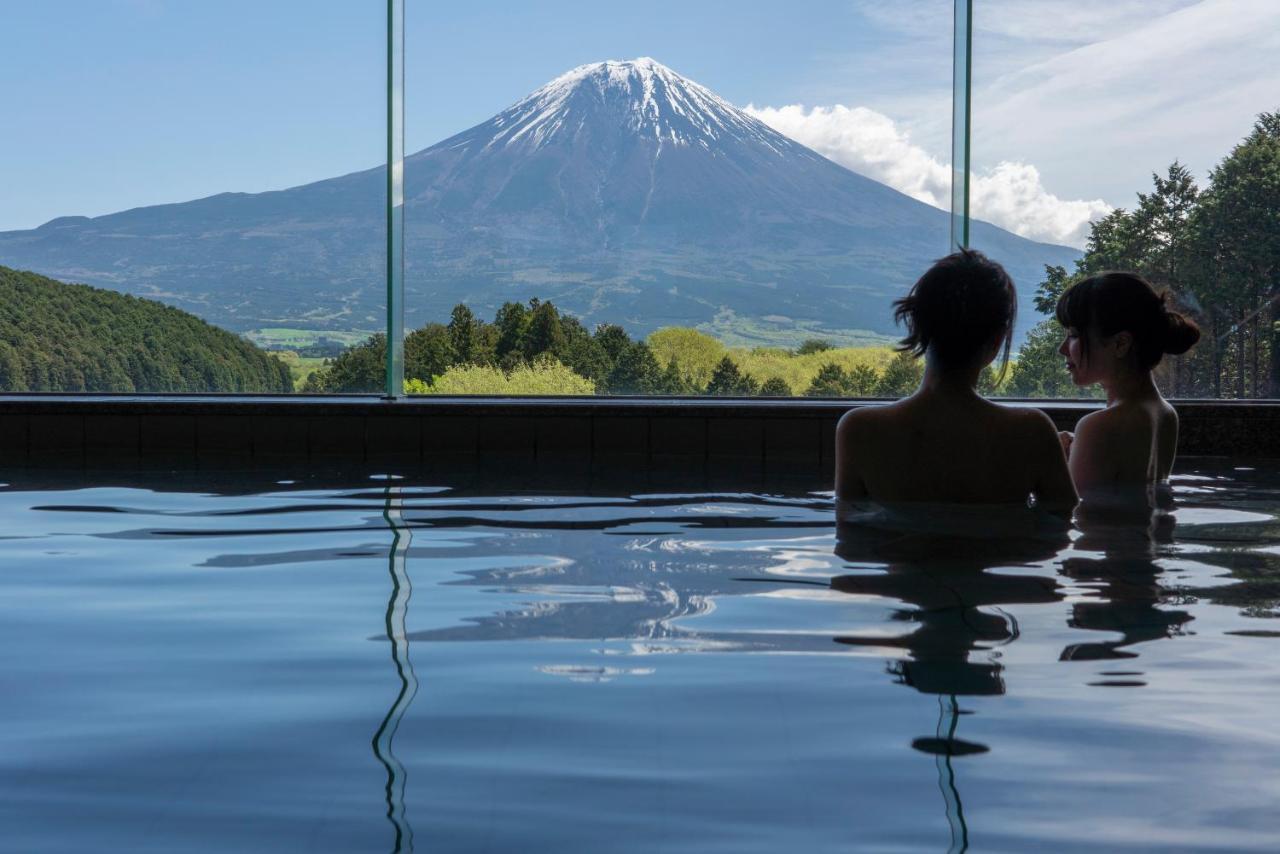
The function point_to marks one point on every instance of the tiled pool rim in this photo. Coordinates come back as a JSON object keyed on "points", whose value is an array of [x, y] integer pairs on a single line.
{"points": [[779, 435]]}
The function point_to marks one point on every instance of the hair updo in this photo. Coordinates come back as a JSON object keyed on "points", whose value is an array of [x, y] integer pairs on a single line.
{"points": [[1110, 303], [957, 308]]}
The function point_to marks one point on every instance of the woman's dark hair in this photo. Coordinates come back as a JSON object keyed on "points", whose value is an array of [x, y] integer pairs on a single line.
{"points": [[957, 308], [1125, 302]]}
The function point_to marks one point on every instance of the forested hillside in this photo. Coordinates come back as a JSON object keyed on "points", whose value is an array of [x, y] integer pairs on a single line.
{"points": [[1215, 249], [60, 337]]}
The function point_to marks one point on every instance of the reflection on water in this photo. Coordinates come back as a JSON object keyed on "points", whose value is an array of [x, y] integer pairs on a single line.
{"points": [[397, 611], [616, 672], [949, 587]]}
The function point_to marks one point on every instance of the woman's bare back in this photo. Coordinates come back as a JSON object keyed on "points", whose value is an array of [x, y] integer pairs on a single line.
{"points": [[1130, 444], [935, 447]]}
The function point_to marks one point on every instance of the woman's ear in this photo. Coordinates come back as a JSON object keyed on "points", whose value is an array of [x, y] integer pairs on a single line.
{"points": [[1121, 344]]}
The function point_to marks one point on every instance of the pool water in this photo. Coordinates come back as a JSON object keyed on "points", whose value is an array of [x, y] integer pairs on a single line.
{"points": [[399, 665]]}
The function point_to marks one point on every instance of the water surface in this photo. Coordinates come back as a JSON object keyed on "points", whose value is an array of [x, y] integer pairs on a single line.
{"points": [[409, 665]]}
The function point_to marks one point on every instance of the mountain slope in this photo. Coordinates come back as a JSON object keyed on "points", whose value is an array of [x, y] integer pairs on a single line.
{"points": [[86, 339], [621, 190]]}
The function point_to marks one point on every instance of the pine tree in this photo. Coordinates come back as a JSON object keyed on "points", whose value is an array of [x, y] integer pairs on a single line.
{"points": [[463, 335], [544, 333], [775, 387], [512, 321], [636, 372], [901, 377], [728, 381], [613, 339], [830, 381]]}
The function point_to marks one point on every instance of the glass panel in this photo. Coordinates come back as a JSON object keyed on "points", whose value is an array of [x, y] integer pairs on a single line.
{"points": [[395, 198], [222, 162], [1135, 135], [599, 202], [961, 89]]}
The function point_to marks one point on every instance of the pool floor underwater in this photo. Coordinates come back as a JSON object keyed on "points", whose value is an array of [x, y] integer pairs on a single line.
{"points": [[400, 664]]}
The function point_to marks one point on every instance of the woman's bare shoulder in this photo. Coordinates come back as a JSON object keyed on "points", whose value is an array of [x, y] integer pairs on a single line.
{"points": [[1030, 422], [866, 417]]}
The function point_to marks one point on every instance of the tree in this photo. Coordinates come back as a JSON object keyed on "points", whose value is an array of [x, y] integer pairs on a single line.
{"points": [[464, 335], [775, 387], [989, 381], [358, 369], [831, 381], [1239, 221], [544, 332], [1056, 281], [697, 352], [863, 380], [587, 358], [814, 345], [728, 381], [428, 352], [613, 339], [512, 321], [544, 376], [636, 372], [901, 377], [676, 381]]}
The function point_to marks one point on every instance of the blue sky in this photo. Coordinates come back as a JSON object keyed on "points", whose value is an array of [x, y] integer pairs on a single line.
{"points": [[131, 102], [111, 104]]}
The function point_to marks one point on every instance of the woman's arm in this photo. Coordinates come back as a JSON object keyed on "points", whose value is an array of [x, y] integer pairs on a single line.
{"points": [[1054, 490], [1093, 453], [848, 476]]}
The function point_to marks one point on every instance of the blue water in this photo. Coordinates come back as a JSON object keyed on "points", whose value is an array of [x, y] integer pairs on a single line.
{"points": [[399, 665]]}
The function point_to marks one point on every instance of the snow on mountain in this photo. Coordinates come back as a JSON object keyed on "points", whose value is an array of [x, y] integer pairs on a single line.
{"points": [[648, 98]]}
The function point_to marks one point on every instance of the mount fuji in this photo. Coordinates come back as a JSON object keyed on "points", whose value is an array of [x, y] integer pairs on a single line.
{"points": [[621, 191]]}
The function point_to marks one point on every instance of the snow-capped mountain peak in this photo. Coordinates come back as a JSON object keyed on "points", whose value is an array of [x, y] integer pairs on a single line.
{"points": [[642, 96]]}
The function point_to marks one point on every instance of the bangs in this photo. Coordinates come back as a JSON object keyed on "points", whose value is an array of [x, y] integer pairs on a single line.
{"points": [[1075, 306]]}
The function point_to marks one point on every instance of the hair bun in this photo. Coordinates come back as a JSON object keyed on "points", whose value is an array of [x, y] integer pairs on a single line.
{"points": [[1180, 333]]}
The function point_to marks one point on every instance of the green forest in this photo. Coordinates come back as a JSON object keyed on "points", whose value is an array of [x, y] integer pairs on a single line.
{"points": [[60, 337], [1216, 250]]}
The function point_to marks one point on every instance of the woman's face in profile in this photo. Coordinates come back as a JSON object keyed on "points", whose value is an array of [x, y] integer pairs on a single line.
{"points": [[1077, 362]]}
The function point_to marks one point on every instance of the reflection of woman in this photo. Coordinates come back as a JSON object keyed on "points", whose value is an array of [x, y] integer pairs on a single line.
{"points": [[942, 581], [1118, 330], [946, 443], [947, 591], [1126, 579]]}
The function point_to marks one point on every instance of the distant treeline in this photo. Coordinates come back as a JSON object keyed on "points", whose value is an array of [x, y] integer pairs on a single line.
{"points": [[1217, 251], [535, 349], [74, 338]]}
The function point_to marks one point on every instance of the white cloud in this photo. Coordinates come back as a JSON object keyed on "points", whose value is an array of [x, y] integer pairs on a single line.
{"points": [[1010, 194], [1185, 85]]}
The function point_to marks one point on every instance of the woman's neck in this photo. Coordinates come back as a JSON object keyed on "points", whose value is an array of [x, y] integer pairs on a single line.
{"points": [[1130, 386], [951, 381]]}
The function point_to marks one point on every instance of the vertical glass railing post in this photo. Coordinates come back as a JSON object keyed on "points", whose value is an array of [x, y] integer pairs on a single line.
{"points": [[395, 198], [961, 97]]}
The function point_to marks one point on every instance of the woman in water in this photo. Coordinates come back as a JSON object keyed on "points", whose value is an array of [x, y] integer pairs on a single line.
{"points": [[946, 443], [1118, 329]]}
